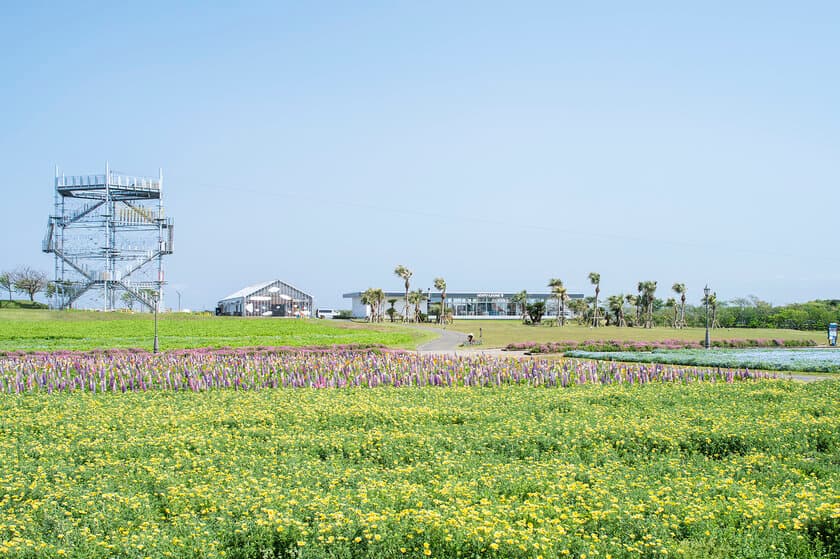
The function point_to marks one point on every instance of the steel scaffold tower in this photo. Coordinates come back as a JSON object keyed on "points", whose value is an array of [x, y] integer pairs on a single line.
{"points": [[109, 235]]}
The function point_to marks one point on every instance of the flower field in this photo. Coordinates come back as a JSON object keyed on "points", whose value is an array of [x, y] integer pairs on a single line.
{"points": [[822, 360], [652, 345], [260, 368], [256, 453]]}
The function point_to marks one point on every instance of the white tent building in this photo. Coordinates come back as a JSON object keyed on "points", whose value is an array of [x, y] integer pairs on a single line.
{"points": [[271, 298]]}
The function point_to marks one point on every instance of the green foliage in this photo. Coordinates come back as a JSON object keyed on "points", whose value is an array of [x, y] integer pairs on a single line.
{"points": [[755, 313], [22, 305], [702, 470], [500, 333], [535, 310]]}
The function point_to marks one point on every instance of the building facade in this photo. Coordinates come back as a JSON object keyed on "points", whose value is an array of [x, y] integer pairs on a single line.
{"points": [[271, 298], [494, 305]]}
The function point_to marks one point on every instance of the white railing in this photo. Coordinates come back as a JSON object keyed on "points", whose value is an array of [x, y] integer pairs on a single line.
{"points": [[115, 179]]}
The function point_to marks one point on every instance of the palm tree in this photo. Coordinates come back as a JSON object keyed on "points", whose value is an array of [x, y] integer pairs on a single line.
{"points": [[671, 302], [391, 310], [679, 289], [713, 308], [595, 279], [640, 301], [416, 298], [579, 307], [648, 294], [440, 285], [521, 299], [564, 296], [379, 298], [616, 305], [558, 291], [633, 301], [405, 274], [374, 297], [369, 299]]}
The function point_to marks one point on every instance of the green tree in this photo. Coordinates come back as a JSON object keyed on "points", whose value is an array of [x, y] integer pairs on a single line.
{"points": [[648, 291], [128, 300], [521, 299], [633, 301], [370, 297], [7, 282], [579, 308], [535, 310], [559, 291], [440, 285], [675, 321], [416, 298], [30, 281], [595, 279], [405, 274], [616, 306], [391, 312]]}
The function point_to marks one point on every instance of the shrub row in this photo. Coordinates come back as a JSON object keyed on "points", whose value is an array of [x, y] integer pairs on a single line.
{"points": [[621, 345]]}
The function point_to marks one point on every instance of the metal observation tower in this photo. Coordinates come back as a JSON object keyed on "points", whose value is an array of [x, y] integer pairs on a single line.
{"points": [[109, 236]]}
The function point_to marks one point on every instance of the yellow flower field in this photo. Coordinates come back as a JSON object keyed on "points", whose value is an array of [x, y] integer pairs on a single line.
{"points": [[748, 469]]}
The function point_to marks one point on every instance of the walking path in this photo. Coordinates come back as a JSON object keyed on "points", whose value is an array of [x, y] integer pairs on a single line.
{"points": [[449, 343]]}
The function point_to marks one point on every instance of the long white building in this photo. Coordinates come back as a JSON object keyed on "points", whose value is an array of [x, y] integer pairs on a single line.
{"points": [[465, 304]]}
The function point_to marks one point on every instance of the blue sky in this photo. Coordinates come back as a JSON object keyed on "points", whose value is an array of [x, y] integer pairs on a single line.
{"points": [[494, 144]]}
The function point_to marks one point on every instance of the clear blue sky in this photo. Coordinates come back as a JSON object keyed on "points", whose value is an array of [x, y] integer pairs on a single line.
{"points": [[494, 144]]}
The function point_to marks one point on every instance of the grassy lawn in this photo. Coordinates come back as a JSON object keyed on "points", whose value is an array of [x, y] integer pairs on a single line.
{"points": [[27, 330], [499, 333], [698, 471]]}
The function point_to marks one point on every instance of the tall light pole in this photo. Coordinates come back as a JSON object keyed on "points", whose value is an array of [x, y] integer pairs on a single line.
{"points": [[179, 300], [706, 292], [156, 297], [428, 302]]}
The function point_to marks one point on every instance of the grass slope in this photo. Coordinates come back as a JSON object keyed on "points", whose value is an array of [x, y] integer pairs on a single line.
{"points": [[695, 471], [52, 330], [499, 333]]}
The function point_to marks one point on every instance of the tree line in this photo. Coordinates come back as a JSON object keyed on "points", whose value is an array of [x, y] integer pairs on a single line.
{"points": [[32, 282], [644, 309], [641, 308], [25, 280], [374, 297]]}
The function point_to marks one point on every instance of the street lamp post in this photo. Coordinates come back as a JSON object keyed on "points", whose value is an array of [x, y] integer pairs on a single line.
{"points": [[706, 292], [179, 300], [156, 297], [428, 302]]}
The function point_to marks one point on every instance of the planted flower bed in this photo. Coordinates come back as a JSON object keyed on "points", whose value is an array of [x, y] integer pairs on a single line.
{"points": [[260, 368], [624, 345], [811, 360]]}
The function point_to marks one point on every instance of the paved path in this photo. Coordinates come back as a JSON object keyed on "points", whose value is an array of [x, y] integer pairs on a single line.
{"points": [[449, 342]]}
